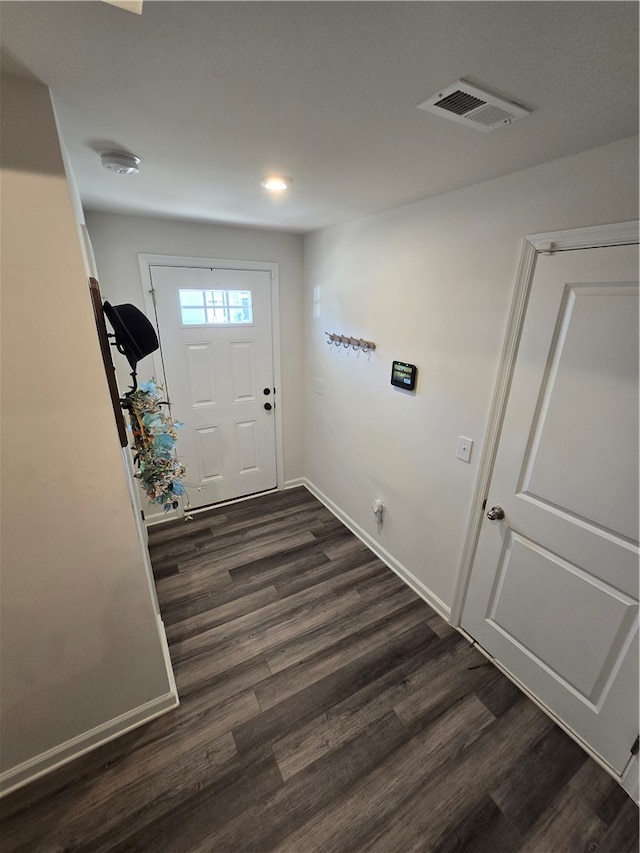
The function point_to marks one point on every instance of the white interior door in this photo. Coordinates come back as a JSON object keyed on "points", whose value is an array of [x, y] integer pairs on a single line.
{"points": [[216, 344], [553, 593]]}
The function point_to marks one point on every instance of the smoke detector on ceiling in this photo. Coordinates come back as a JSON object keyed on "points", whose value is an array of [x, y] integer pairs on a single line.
{"points": [[120, 162], [469, 105]]}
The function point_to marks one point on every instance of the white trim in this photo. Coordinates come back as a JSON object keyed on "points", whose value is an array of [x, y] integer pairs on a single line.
{"points": [[631, 779], [617, 234], [47, 761], [496, 416], [209, 507], [403, 573], [621, 233], [295, 483], [146, 260]]}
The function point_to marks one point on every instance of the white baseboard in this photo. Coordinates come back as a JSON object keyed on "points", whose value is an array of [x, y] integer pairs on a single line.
{"points": [[47, 761], [295, 483], [631, 779], [388, 559]]}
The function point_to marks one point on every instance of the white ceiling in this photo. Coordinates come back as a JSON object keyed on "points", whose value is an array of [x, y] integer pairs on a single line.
{"points": [[214, 95]]}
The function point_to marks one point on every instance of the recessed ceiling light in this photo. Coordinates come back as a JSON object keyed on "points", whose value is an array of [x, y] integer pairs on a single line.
{"points": [[276, 183], [120, 162]]}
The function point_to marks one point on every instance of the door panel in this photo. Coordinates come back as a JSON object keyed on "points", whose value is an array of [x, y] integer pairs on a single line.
{"points": [[199, 366], [574, 601], [588, 383], [243, 371], [215, 337], [553, 593]]}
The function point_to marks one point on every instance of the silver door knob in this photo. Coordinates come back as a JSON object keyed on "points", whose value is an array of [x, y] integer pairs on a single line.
{"points": [[495, 513]]}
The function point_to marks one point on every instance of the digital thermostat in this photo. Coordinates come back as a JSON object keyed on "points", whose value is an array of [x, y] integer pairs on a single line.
{"points": [[403, 375]]}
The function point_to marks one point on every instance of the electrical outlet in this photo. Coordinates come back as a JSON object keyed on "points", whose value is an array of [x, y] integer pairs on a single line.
{"points": [[318, 386], [463, 451]]}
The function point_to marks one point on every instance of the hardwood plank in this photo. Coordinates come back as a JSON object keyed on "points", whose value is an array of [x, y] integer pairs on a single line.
{"points": [[484, 830], [499, 694], [216, 616], [281, 566], [251, 781], [286, 682], [183, 780], [539, 775], [203, 562], [294, 582], [373, 700], [306, 743], [441, 802], [612, 805], [443, 629], [274, 623], [410, 673], [198, 674], [361, 616], [182, 604], [324, 706], [296, 800], [193, 587], [325, 692], [216, 543], [567, 824], [622, 835], [61, 819], [335, 550], [446, 678], [593, 785], [345, 824]]}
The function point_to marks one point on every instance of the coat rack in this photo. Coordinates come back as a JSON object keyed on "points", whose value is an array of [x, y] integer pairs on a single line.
{"points": [[354, 343], [105, 350]]}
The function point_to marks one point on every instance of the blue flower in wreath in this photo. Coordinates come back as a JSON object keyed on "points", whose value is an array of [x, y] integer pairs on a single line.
{"points": [[153, 420], [148, 387], [177, 488], [163, 443]]}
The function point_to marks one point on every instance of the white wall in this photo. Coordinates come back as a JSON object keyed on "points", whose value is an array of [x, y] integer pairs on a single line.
{"points": [[118, 239], [82, 656], [431, 284]]}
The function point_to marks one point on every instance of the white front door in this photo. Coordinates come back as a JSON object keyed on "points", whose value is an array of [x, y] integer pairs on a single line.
{"points": [[553, 593], [216, 347]]}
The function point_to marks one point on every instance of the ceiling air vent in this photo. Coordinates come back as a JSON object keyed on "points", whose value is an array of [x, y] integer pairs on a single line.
{"points": [[469, 105]]}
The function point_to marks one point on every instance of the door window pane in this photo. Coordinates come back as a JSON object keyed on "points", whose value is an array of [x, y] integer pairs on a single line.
{"points": [[215, 307], [191, 298], [192, 316]]}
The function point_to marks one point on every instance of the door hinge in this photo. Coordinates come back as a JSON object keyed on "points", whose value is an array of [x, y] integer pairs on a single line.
{"points": [[142, 514], [636, 746]]}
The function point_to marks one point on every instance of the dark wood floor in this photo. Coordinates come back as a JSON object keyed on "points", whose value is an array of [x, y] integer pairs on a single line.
{"points": [[324, 707]]}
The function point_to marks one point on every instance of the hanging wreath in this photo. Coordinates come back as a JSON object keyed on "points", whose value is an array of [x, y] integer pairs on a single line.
{"points": [[154, 441]]}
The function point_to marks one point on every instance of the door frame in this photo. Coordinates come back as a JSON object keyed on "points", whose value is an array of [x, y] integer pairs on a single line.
{"points": [[617, 234], [145, 261]]}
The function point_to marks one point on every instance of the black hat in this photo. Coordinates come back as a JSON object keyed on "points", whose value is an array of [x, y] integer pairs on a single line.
{"points": [[134, 335]]}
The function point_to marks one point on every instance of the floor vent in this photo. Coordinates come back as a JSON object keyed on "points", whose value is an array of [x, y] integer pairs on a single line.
{"points": [[469, 105]]}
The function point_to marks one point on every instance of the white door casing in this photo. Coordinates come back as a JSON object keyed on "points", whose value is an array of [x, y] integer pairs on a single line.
{"points": [[216, 377], [554, 588]]}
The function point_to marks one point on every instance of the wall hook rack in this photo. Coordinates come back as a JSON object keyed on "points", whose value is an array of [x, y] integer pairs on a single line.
{"points": [[347, 341]]}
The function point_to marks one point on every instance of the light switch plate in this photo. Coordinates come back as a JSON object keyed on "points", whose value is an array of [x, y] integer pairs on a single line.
{"points": [[463, 451]]}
